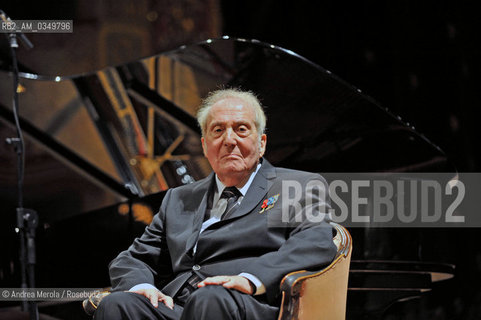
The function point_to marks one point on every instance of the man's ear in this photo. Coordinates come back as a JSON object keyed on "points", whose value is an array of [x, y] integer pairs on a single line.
{"points": [[204, 147], [262, 145]]}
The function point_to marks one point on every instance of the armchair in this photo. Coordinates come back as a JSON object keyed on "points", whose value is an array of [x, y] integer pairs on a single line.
{"points": [[305, 294]]}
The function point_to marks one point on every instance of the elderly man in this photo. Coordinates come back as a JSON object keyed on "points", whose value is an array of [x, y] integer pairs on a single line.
{"points": [[219, 247]]}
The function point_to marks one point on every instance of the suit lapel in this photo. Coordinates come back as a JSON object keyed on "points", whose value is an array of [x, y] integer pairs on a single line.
{"points": [[204, 189]]}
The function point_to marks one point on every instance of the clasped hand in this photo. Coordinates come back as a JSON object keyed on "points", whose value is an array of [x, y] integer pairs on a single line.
{"points": [[238, 283]]}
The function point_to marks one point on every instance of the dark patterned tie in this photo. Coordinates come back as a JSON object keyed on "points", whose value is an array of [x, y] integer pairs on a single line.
{"points": [[230, 194]]}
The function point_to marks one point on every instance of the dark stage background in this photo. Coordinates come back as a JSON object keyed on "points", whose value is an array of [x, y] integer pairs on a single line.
{"points": [[421, 59]]}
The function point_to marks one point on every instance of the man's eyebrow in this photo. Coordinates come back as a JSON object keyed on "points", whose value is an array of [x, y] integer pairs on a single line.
{"points": [[222, 123], [215, 123]]}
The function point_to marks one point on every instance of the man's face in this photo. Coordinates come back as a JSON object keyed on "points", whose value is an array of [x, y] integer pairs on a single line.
{"points": [[231, 142]]}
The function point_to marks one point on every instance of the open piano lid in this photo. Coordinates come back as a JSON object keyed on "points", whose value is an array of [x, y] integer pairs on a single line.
{"points": [[120, 126]]}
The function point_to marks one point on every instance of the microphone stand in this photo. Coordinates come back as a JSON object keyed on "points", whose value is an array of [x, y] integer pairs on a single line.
{"points": [[27, 219]]}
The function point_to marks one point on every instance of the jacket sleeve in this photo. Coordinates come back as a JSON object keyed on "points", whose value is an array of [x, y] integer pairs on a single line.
{"points": [[147, 260], [309, 238]]}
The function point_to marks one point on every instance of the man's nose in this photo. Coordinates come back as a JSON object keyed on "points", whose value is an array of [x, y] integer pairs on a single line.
{"points": [[230, 137]]}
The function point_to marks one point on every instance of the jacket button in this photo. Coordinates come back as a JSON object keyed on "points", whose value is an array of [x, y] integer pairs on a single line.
{"points": [[196, 267]]}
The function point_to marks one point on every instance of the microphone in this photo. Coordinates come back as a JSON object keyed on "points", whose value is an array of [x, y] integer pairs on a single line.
{"points": [[13, 39]]}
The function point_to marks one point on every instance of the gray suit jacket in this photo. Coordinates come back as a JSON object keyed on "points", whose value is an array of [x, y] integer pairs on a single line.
{"points": [[267, 244]]}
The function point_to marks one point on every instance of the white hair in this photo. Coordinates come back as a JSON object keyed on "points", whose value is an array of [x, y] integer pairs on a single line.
{"points": [[216, 96]]}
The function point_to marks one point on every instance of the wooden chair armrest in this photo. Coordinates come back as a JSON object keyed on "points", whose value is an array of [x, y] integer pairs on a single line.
{"points": [[320, 294], [91, 303]]}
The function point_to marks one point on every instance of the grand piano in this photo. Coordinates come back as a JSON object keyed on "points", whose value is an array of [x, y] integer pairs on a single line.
{"points": [[102, 148]]}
